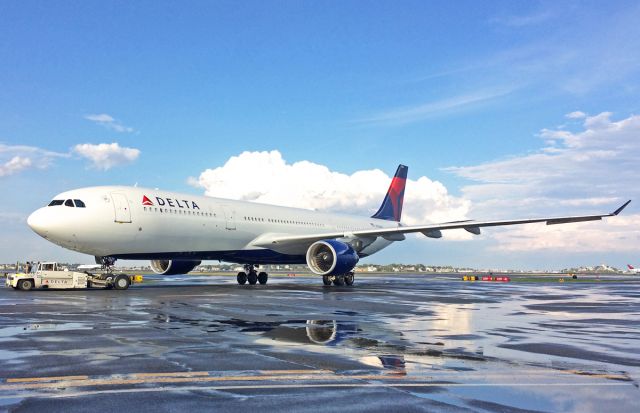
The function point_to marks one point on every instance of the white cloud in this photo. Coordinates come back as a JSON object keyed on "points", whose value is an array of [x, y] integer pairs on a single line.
{"points": [[620, 234], [267, 178], [14, 165], [410, 114], [106, 155], [589, 171], [101, 118], [109, 122], [576, 115], [17, 158]]}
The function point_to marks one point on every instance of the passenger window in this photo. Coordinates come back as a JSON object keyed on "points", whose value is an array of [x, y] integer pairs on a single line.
{"points": [[79, 203], [68, 203], [56, 202]]}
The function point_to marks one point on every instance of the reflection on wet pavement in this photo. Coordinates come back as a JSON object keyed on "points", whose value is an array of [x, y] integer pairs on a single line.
{"points": [[406, 342]]}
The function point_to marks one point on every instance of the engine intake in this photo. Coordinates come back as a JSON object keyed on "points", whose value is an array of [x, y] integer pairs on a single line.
{"points": [[331, 257], [173, 267]]}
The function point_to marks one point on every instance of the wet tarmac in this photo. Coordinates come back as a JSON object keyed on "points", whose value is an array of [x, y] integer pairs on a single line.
{"points": [[396, 343]]}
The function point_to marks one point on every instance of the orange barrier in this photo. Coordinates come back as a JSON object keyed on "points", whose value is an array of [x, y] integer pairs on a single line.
{"points": [[498, 279]]}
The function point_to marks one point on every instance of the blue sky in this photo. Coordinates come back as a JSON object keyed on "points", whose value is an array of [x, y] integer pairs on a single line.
{"points": [[444, 87]]}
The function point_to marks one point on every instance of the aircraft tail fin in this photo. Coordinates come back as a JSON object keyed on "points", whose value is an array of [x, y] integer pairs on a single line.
{"points": [[630, 267], [391, 208]]}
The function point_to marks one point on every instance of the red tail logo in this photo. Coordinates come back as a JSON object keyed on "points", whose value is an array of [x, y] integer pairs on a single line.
{"points": [[146, 201], [630, 267]]}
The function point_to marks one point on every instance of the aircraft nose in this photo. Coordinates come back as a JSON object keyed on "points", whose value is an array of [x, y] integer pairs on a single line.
{"points": [[37, 222]]}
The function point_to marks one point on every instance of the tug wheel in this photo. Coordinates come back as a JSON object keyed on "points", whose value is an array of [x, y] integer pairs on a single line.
{"points": [[121, 282], [25, 285]]}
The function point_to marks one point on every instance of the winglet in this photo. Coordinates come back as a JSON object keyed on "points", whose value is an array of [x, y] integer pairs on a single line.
{"points": [[619, 210]]}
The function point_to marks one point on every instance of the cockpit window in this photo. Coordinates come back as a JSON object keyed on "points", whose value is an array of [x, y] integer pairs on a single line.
{"points": [[79, 203], [68, 203], [56, 202]]}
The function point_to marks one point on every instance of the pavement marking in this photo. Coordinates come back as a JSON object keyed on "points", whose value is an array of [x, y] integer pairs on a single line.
{"points": [[435, 379], [288, 387], [172, 374], [297, 375], [126, 381], [38, 379], [320, 371], [610, 376]]}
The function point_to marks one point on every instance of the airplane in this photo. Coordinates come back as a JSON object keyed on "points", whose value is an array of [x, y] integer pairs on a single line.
{"points": [[633, 269], [177, 231]]}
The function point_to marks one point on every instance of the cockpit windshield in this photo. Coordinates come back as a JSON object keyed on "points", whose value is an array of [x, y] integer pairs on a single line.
{"points": [[77, 203]]}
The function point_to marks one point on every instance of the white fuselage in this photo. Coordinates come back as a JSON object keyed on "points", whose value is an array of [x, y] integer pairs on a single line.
{"points": [[142, 223]]}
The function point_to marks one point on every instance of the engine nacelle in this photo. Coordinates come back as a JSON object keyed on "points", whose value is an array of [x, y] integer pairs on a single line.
{"points": [[331, 257], [173, 267]]}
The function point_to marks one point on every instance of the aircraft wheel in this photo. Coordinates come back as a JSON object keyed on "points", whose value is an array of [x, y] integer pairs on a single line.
{"points": [[252, 278], [121, 282], [263, 277], [25, 285], [338, 280], [242, 278], [349, 278], [326, 280]]}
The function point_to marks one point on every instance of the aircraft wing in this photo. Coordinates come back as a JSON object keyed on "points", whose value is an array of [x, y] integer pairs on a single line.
{"points": [[288, 243]]}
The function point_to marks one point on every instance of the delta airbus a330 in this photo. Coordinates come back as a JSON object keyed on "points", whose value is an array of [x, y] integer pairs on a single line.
{"points": [[177, 231]]}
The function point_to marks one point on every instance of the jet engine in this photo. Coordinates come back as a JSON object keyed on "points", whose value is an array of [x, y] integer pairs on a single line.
{"points": [[173, 267], [331, 257]]}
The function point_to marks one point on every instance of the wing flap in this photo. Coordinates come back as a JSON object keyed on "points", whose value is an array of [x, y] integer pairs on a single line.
{"points": [[569, 220]]}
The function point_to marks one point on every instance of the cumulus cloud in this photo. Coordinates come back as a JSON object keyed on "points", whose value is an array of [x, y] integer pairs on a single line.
{"points": [[109, 122], [106, 155], [266, 177], [17, 158], [14, 165], [576, 115], [587, 171]]}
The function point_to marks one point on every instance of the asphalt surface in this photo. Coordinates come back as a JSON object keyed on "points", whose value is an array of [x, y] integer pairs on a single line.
{"points": [[394, 343]]}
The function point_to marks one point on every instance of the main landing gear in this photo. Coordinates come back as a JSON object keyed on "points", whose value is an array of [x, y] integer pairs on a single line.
{"points": [[252, 276], [339, 280]]}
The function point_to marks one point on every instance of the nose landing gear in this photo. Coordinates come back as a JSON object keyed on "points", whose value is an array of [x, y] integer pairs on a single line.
{"points": [[252, 276]]}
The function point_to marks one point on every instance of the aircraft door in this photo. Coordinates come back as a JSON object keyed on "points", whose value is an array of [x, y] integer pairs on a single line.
{"points": [[121, 208], [230, 217]]}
